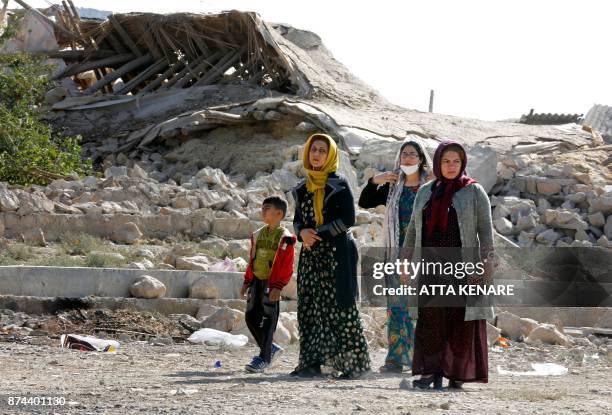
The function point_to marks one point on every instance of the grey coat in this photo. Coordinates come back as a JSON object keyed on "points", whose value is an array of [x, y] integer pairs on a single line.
{"points": [[475, 227]]}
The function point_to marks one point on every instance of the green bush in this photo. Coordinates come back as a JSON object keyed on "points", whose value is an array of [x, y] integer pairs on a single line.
{"points": [[29, 151], [19, 252], [100, 260], [82, 243]]}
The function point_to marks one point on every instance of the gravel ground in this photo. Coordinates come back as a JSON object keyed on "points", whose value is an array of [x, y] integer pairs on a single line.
{"points": [[182, 378]]}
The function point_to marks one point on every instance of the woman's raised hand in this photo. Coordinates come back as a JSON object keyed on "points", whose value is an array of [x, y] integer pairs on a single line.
{"points": [[309, 237], [386, 177]]}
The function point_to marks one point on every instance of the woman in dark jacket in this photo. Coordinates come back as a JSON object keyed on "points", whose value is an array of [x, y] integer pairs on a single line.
{"points": [[397, 190], [330, 328]]}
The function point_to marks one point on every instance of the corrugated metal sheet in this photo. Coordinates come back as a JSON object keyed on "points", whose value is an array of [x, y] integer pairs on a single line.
{"points": [[599, 118], [549, 119]]}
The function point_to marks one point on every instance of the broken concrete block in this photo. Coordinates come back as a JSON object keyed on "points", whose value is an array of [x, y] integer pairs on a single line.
{"points": [[548, 187], [548, 237], [547, 333], [503, 226], [224, 319], [483, 166], [597, 219], [601, 204], [513, 326], [526, 222]]}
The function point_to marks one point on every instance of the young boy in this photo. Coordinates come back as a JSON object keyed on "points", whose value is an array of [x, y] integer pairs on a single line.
{"points": [[269, 270]]}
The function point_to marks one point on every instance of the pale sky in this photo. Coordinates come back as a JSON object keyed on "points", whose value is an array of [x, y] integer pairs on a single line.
{"points": [[484, 59]]}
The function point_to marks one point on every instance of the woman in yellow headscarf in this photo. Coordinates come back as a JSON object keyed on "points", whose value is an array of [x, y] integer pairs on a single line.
{"points": [[331, 332]]}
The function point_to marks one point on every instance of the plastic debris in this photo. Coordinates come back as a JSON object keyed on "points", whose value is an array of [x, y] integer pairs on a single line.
{"points": [[88, 343], [212, 336], [539, 369]]}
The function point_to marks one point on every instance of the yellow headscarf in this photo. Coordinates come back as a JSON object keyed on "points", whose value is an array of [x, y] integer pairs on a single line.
{"points": [[316, 179]]}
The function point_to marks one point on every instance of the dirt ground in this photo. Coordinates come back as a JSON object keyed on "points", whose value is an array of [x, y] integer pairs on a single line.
{"points": [[182, 379]]}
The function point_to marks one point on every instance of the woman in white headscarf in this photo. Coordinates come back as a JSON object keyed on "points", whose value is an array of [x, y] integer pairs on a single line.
{"points": [[397, 190]]}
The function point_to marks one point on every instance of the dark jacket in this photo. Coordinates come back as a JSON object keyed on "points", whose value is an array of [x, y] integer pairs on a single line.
{"points": [[338, 217], [373, 195]]}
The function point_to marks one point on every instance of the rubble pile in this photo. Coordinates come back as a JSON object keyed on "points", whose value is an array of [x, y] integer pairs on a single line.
{"points": [[561, 198]]}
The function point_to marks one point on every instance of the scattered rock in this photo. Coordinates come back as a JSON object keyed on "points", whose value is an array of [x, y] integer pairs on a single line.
{"points": [[204, 288], [193, 263], [547, 333], [147, 287], [34, 237], [224, 319], [128, 233]]}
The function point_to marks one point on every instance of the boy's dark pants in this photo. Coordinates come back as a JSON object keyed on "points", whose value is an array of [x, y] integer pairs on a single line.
{"points": [[261, 317]]}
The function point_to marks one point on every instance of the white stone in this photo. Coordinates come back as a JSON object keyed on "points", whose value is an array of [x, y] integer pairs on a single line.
{"points": [[206, 310], [513, 326], [8, 200], [239, 248], [138, 172], [204, 288], [548, 236], [192, 263], [115, 172], [282, 335], [128, 233], [548, 186], [145, 253], [597, 219], [547, 333], [225, 319], [147, 287], [503, 226]]}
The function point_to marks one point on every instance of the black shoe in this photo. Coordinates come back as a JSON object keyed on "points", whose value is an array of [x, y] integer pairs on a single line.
{"points": [[425, 383], [455, 384], [391, 367], [306, 372]]}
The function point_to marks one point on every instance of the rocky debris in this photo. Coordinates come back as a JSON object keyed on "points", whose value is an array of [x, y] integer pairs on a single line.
{"points": [[515, 327], [204, 288], [147, 287], [224, 319], [193, 263], [129, 233], [547, 333], [570, 191], [493, 334]]}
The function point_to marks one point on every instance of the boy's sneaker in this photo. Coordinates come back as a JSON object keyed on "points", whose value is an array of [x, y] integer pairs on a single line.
{"points": [[257, 365], [276, 351]]}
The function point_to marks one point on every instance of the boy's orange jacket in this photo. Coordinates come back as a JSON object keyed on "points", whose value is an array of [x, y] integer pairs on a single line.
{"points": [[282, 266]]}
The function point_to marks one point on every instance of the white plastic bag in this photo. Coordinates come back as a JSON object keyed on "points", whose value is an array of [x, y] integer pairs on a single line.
{"points": [[212, 336], [539, 369]]}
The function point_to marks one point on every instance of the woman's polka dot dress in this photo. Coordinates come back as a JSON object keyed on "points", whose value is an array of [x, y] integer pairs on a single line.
{"points": [[329, 335]]}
